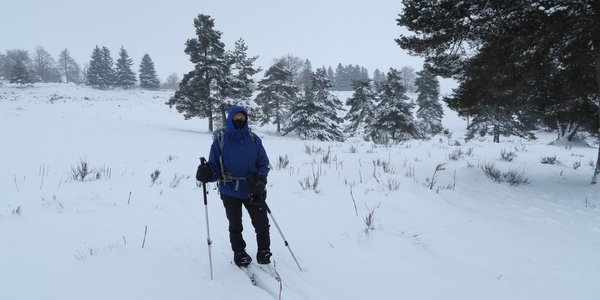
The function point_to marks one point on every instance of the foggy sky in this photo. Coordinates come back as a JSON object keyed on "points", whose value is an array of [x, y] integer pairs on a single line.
{"points": [[325, 32]]}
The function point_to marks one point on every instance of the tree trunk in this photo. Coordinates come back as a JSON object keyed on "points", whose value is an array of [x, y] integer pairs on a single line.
{"points": [[595, 17], [597, 67], [210, 123], [496, 134], [278, 119], [573, 129], [223, 116]]}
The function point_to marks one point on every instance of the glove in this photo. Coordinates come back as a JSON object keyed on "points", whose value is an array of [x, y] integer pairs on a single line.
{"points": [[258, 192], [204, 173], [258, 199]]}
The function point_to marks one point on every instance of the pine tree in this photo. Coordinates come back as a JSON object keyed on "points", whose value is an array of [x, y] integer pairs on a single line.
{"points": [[393, 119], [362, 103], [241, 70], [330, 75], [125, 77], [148, 78], [94, 74], [378, 79], [528, 49], [305, 74], [342, 78], [206, 51], [315, 116], [107, 72], [17, 66], [3, 63], [277, 93], [429, 108], [19, 73]]}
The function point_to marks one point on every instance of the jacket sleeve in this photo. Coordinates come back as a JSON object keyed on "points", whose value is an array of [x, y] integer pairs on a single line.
{"points": [[262, 161], [213, 161]]}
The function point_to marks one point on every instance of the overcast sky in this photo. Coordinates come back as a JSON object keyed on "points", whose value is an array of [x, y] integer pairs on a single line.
{"points": [[325, 32]]}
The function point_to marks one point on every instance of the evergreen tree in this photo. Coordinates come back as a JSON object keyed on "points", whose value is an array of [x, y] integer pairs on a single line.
{"points": [[378, 79], [531, 48], [125, 77], [495, 109], [107, 72], [277, 93], [342, 79], [18, 66], [94, 74], [148, 78], [330, 75], [69, 67], [430, 110], [393, 119], [345, 75], [206, 51], [362, 103], [19, 73], [240, 83], [306, 74], [315, 116], [3, 63]]}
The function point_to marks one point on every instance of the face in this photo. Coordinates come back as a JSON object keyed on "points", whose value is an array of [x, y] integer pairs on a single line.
{"points": [[239, 117]]}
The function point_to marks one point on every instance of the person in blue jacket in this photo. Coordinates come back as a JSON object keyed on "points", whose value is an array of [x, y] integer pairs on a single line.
{"points": [[239, 162]]}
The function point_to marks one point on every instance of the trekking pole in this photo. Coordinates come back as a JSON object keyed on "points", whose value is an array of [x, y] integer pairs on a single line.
{"points": [[283, 237], [208, 241]]}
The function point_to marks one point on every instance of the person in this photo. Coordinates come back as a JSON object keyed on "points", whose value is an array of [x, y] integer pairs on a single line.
{"points": [[239, 162]]}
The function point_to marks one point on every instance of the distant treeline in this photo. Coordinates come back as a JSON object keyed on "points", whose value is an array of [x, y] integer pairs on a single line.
{"points": [[22, 67]]}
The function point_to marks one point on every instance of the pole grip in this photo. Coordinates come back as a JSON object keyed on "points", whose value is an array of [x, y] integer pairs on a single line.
{"points": [[203, 162]]}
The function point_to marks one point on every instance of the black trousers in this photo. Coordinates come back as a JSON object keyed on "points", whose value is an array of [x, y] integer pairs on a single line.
{"points": [[260, 221]]}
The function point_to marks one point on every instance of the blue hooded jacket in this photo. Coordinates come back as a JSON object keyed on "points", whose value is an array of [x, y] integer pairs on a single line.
{"points": [[243, 155]]}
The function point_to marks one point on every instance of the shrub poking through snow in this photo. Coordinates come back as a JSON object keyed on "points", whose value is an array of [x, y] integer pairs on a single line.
{"points": [[512, 177], [81, 171], [310, 183], [283, 162], [491, 172], [506, 155], [549, 160], [430, 182], [154, 176], [456, 154]]}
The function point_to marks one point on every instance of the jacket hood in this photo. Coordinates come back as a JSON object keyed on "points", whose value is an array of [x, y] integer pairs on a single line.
{"points": [[232, 111]]}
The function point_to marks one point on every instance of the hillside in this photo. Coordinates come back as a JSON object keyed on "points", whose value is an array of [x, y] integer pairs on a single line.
{"points": [[458, 236]]}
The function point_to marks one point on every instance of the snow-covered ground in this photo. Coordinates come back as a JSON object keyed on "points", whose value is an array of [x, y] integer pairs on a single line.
{"points": [[462, 236]]}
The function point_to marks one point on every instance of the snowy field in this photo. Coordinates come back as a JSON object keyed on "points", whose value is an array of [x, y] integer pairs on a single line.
{"points": [[458, 236]]}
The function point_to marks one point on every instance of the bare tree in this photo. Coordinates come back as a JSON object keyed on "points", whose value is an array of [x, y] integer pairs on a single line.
{"points": [[44, 66], [295, 65], [408, 78], [171, 83], [69, 67]]}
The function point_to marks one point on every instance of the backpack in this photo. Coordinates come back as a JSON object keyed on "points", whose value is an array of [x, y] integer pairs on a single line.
{"points": [[219, 135]]}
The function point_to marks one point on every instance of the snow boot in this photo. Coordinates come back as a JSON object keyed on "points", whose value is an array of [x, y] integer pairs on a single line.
{"points": [[263, 257], [242, 259]]}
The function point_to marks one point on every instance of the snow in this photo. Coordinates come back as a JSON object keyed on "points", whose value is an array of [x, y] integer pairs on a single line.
{"points": [[466, 238]]}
